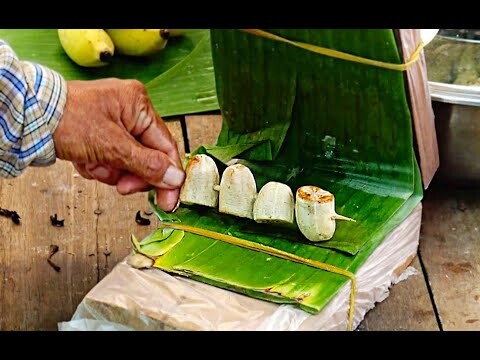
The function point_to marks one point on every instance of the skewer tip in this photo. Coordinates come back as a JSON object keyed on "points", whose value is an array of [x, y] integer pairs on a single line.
{"points": [[341, 217]]}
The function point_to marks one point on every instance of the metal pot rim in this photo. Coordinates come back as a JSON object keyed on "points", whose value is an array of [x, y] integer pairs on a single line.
{"points": [[455, 39], [455, 94]]}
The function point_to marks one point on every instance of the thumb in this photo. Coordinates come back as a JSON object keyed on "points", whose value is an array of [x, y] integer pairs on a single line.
{"points": [[154, 166]]}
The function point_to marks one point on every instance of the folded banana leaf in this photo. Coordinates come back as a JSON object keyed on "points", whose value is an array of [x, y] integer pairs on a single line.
{"points": [[179, 79], [305, 119]]}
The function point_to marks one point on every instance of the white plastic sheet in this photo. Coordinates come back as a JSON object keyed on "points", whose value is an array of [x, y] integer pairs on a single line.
{"points": [[130, 299]]}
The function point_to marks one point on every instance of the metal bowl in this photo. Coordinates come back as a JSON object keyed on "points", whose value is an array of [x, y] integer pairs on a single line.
{"points": [[457, 121], [457, 106]]}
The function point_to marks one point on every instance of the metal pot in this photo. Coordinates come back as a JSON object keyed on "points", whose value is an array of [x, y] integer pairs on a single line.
{"points": [[456, 105], [457, 121]]}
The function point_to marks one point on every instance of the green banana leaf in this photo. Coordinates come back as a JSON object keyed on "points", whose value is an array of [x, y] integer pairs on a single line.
{"points": [[343, 126], [180, 79]]}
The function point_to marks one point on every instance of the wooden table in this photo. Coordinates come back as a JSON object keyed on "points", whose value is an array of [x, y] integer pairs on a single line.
{"points": [[444, 295]]}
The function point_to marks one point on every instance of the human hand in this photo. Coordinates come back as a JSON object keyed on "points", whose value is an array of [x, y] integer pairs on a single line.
{"points": [[111, 132]]}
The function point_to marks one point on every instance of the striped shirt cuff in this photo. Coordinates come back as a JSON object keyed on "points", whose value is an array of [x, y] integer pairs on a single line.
{"points": [[32, 99]]}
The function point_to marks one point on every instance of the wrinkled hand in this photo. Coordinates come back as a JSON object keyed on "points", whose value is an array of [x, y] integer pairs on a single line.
{"points": [[111, 133]]}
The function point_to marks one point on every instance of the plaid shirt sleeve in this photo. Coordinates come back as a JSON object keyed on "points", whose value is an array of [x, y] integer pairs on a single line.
{"points": [[32, 98]]}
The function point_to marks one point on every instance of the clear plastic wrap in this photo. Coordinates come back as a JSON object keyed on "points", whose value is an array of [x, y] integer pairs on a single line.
{"points": [[130, 299]]}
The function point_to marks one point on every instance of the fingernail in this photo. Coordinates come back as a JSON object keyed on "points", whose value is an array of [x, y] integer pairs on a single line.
{"points": [[173, 176], [100, 172]]}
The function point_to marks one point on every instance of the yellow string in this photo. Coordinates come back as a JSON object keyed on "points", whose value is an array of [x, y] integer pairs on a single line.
{"points": [[338, 54], [274, 252]]}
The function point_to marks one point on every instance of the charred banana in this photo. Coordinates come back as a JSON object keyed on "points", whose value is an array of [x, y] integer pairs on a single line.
{"points": [[313, 208]]}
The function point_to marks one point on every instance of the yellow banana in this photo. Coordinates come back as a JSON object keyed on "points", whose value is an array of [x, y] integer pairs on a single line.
{"points": [[87, 47], [139, 42]]}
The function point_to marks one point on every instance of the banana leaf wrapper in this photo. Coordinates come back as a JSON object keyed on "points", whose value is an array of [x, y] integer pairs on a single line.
{"points": [[305, 119]]}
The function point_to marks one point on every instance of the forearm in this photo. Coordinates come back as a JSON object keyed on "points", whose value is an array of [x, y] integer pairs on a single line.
{"points": [[32, 99]]}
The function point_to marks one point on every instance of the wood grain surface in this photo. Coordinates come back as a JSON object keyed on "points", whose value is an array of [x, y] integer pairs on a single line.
{"points": [[420, 106], [95, 236], [450, 250]]}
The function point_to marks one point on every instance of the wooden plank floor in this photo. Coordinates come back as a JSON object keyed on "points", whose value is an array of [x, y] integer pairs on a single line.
{"points": [[98, 222], [450, 250]]}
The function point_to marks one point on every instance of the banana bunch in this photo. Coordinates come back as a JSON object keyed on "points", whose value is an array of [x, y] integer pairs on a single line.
{"points": [[96, 47]]}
